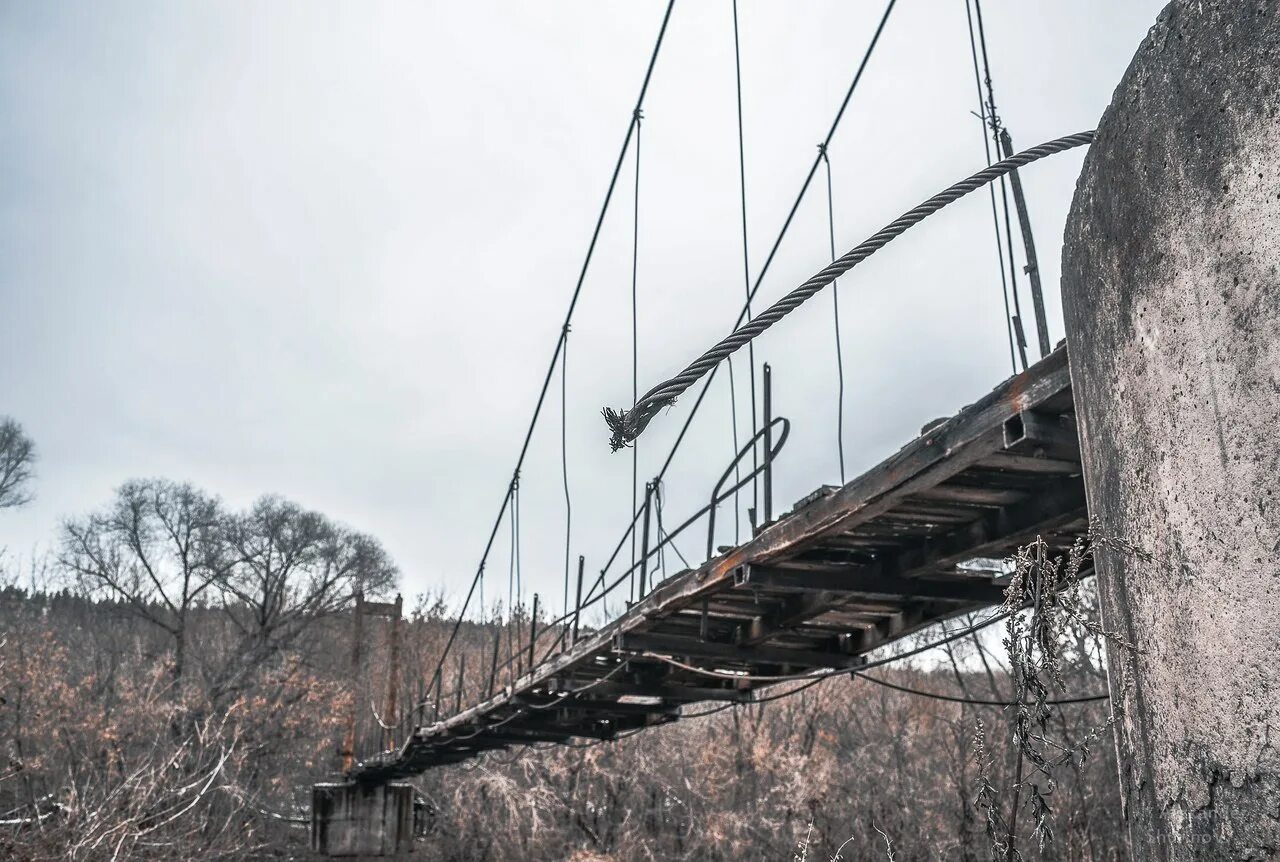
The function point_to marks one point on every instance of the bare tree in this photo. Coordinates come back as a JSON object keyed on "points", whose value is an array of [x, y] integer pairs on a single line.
{"points": [[17, 455], [159, 548], [292, 568]]}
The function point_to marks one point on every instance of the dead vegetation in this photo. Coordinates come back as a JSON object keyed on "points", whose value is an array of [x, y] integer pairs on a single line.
{"points": [[176, 681]]}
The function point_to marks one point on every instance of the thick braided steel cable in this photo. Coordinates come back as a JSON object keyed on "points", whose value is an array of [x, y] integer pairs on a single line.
{"points": [[626, 425]]}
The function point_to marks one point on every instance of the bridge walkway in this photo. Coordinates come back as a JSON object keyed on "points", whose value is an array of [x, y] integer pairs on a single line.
{"points": [[915, 540]]}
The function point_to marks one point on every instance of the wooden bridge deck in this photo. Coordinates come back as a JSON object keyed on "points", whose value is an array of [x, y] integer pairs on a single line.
{"points": [[847, 570]]}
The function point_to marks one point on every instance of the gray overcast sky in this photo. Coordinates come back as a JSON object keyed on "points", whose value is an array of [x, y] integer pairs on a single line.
{"points": [[324, 249]]}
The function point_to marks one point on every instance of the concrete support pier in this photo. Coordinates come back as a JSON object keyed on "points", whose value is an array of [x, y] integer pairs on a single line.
{"points": [[1171, 291], [362, 820]]}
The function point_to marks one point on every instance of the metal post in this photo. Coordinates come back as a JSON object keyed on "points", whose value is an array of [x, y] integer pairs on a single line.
{"points": [[533, 631], [644, 540], [768, 443], [493, 664], [457, 694], [1028, 242], [577, 602]]}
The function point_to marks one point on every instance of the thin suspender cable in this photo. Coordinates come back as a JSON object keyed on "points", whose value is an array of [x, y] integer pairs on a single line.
{"points": [[835, 309], [573, 301], [993, 120], [995, 217], [746, 273], [733, 424], [564, 460], [515, 526], [994, 117], [635, 339], [662, 531], [511, 576]]}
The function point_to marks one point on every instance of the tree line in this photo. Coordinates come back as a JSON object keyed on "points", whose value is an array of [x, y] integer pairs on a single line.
{"points": [[176, 675]]}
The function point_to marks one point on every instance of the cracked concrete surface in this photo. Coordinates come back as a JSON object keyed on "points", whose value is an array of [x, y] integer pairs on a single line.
{"points": [[1171, 292]]}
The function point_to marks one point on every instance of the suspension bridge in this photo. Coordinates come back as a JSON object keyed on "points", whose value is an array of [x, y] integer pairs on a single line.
{"points": [[916, 540], [920, 538]]}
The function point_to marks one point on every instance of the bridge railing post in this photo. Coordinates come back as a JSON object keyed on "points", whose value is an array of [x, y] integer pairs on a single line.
{"points": [[644, 541], [493, 662], [577, 603], [533, 633], [767, 382]]}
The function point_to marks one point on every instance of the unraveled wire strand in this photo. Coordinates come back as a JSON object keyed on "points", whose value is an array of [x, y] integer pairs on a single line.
{"points": [[626, 425]]}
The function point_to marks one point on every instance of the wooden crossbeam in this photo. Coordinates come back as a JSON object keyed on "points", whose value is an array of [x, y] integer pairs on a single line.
{"points": [[830, 588], [668, 692], [694, 648]]}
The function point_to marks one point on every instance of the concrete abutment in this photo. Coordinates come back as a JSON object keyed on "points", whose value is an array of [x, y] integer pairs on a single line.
{"points": [[1171, 293]]}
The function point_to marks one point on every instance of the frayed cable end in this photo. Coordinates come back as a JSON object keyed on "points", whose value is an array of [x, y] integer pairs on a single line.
{"points": [[617, 422]]}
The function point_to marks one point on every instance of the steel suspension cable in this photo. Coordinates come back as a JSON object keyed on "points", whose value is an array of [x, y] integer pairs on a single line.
{"points": [[835, 314], [564, 460], [746, 268], [1090, 698], [573, 302], [515, 527], [626, 425], [635, 336], [1005, 282], [511, 573]]}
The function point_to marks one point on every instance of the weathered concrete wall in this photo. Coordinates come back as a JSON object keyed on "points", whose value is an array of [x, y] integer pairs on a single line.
{"points": [[353, 819], [1171, 288]]}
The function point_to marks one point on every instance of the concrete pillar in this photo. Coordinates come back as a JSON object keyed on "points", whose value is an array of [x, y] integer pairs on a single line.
{"points": [[353, 819], [1171, 290]]}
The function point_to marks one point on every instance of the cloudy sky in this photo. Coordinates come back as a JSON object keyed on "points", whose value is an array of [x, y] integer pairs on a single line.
{"points": [[324, 249]]}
